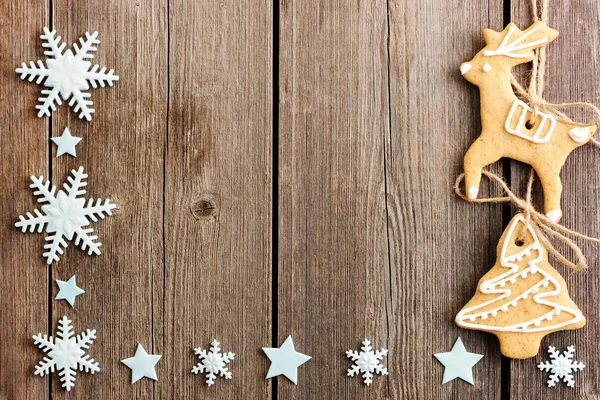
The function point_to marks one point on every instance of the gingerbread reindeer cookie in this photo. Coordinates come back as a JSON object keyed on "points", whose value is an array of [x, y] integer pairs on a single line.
{"points": [[507, 128], [522, 298]]}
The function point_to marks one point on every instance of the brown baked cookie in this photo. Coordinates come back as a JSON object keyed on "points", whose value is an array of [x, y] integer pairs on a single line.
{"points": [[522, 298], [505, 119]]}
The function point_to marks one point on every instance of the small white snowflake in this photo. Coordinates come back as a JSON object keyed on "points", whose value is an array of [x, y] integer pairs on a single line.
{"points": [[561, 366], [68, 74], [213, 362], [65, 215], [367, 362], [66, 353]]}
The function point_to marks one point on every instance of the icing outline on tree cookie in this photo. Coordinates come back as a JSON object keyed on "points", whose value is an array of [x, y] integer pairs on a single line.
{"points": [[488, 287]]}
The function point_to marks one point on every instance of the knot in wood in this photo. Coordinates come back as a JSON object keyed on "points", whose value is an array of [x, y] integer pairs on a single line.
{"points": [[204, 208]]}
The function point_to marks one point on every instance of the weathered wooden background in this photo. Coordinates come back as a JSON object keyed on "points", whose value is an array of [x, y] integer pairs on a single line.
{"points": [[281, 167]]}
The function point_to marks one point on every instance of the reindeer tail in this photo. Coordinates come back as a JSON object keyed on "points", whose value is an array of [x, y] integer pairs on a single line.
{"points": [[582, 134]]}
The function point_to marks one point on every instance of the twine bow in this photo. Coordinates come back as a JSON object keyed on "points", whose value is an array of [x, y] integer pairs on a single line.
{"points": [[543, 226]]}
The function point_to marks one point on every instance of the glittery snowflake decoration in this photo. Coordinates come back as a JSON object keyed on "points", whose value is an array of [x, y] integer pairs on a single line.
{"points": [[64, 216], [67, 74], [213, 362], [367, 362], [66, 353], [561, 366]]}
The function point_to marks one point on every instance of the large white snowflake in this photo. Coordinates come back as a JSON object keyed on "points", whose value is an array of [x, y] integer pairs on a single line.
{"points": [[65, 215], [68, 74], [213, 362], [561, 366], [66, 353], [367, 362]]}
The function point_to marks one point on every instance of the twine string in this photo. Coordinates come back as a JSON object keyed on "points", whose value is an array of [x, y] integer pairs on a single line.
{"points": [[534, 93], [543, 226]]}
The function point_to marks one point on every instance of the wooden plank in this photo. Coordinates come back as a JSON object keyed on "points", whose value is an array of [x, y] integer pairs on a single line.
{"points": [[333, 260], [572, 71], [218, 194], [24, 148], [336, 281], [122, 152], [440, 246]]}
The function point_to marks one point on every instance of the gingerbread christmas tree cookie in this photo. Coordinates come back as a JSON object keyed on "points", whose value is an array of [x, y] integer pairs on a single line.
{"points": [[522, 298], [510, 127]]}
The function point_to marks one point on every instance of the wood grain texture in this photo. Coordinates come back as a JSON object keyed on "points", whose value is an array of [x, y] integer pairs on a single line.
{"points": [[122, 152], [370, 240], [440, 246], [218, 195], [572, 75], [333, 259], [341, 136], [24, 150]]}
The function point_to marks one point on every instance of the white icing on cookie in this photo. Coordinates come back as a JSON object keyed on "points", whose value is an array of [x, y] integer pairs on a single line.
{"points": [[464, 68], [510, 49], [472, 193], [544, 131], [579, 134], [495, 286], [554, 215]]}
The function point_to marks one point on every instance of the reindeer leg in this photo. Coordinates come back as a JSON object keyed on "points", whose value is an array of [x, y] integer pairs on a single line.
{"points": [[552, 185], [478, 156]]}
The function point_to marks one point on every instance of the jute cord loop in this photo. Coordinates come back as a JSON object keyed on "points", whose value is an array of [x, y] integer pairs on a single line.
{"points": [[544, 227]]}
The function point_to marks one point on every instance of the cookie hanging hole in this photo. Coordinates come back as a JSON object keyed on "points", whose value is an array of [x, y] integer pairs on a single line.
{"points": [[528, 125], [519, 242]]}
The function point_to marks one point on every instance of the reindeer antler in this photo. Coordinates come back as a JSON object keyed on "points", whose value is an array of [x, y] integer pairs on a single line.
{"points": [[523, 42]]}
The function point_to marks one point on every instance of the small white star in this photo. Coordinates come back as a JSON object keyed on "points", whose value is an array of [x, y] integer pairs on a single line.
{"points": [[66, 143], [142, 365], [285, 360], [68, 290], [458, 363]]}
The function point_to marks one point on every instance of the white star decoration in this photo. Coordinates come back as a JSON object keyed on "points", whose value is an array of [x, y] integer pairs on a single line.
{"points": [[68, 74], [561, 366], [458, 363], [367, 362], [68, 290], [66, 143], [66, 353], [213, 362], [142, 365], [285, 360]]}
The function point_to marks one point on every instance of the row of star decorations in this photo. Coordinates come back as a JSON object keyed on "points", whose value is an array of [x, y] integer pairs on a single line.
{"points": [[67, 353], [459, 363]]}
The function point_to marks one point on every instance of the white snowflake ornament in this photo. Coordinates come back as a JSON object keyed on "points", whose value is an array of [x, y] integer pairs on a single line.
{"points": [[65, 215], [69, 75], [66, 353], [213, 362], [367, 362], [561, 366]]}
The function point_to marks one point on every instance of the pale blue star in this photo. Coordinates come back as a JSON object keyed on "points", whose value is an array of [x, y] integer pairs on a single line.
{"points": [[66, 143], [458, 363], [285, 360], [142, 364], [68, 290]]}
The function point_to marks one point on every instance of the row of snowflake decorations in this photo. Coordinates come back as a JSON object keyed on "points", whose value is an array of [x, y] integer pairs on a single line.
{"points": [[67, 353], [67, 75]]}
